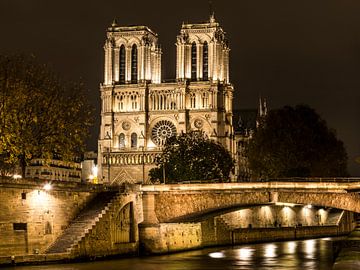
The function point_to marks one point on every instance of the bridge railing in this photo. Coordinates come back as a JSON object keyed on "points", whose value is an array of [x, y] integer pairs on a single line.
{"points": [[314, 179], [287, 179]]}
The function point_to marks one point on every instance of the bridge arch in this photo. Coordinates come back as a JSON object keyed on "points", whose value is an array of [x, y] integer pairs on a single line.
{"points": [[170, 206]]}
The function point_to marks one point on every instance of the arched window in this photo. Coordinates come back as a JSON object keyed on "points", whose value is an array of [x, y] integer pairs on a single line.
{"points": [[133, 140], [122, 65], [192, 101], [204, 99], [121, 103], [133, 102], [122, 140], [193, 61], [205, 61], [134, 70]]}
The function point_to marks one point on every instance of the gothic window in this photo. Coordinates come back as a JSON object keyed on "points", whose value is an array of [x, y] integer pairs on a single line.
{"points": [[134, 64], [121, 103], [193, 61], [204, 100], [134, 102], [122, 65], [133, 140], [205, 61], [122, 140], [192, 100]]}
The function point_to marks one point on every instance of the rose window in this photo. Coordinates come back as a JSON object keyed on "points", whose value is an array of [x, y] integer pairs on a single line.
{"points": [[126, 125], [198, 123], [161, 131]]}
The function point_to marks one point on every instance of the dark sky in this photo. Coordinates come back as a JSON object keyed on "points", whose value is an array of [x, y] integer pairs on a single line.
{"points": [[290, 52]]}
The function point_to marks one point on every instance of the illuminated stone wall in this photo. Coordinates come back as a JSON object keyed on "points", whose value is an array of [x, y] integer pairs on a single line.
{"points": [[32, 218], [281, 216], [116, 232]]}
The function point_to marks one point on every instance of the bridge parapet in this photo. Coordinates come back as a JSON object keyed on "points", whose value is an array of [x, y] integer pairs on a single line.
{"points": [[177, 202], [273, 185]]}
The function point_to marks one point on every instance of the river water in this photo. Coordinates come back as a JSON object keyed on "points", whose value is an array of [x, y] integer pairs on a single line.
{"points": [[288, 255]]}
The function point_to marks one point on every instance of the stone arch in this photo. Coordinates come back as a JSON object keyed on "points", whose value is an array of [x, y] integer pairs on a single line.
{"points": [[122, 225], [194, 204], [134, 40], [121, 41]]}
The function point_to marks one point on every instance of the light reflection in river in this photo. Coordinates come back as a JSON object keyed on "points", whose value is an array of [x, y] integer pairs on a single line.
{"points": [[314, 254]]}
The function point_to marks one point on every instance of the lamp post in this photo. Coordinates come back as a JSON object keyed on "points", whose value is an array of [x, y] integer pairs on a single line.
{"points": [[143, 163], [142, 136], [164, 173]]}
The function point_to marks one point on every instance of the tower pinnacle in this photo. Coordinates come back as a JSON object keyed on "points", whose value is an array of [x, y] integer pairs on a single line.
{"points": [[211, 11]]}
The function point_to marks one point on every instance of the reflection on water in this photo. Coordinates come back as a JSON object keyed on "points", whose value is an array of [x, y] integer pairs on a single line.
{"points": [[313, 254]]}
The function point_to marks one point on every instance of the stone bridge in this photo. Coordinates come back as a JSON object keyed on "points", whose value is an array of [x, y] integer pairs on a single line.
{"points": [[182, 203]]}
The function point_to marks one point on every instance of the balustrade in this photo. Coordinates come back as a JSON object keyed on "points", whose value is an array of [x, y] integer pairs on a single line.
{"points": [[130, 158]]}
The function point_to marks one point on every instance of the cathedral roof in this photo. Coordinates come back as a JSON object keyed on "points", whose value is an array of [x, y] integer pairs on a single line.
{"points": [[130, 28]]}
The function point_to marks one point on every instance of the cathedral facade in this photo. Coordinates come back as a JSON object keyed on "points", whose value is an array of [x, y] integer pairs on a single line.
{"points": [[139, 111]]}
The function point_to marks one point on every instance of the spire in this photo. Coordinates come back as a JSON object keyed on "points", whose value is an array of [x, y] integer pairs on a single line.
{"points": [[211, 11], [265, 107], [261, 112], [114, 23]]}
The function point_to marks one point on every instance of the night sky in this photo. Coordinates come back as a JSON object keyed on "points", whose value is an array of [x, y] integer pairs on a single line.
{"points": [[290, 52]]}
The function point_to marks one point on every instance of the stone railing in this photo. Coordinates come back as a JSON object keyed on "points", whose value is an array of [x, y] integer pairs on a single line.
{"points": [[131, 157]]}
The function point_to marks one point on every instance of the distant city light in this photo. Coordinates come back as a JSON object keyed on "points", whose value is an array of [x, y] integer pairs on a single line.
{"points": [[47, 187], [17, 176]]}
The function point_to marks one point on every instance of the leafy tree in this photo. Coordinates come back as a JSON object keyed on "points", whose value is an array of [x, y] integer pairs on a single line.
{"points": [[192, 156], [40, 116], [293, 142]]}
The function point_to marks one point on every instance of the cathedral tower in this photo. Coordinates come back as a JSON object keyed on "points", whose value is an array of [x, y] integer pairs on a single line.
{"points": [[202, 53], [139, 112]]}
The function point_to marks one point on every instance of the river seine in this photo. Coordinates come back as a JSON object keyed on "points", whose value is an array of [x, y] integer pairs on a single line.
{"points": [[288, 255]]}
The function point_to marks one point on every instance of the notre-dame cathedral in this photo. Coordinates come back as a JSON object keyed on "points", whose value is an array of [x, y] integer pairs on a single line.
{"points": [[139, 111]]}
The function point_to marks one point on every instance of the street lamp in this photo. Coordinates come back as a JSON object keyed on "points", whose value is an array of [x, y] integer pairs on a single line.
{"points": [[164, 173], [143, 163]]}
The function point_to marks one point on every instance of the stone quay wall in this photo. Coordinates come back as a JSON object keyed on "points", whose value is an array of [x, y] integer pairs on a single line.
{"points": [[31, 218], [116, 232]]}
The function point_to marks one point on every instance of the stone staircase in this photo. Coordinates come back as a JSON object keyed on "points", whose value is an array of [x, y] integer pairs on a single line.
{"points": [[83, 223]]}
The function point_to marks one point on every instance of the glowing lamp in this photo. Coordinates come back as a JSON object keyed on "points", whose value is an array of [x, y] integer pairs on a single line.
{"points": [[94, 171], [47, 187]]}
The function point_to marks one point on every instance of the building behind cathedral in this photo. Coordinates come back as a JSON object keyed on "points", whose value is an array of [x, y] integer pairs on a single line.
{"points": [[139, 111]]}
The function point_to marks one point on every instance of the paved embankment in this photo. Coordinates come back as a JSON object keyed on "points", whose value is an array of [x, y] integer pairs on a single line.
{"points": [[349, 256]]}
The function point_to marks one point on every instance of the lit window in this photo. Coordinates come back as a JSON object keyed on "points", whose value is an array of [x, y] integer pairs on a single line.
{"points": [[192, 101], [205, 61], [134, 64], [193, 61], [122, 65], [122, 140], [133, 140]]}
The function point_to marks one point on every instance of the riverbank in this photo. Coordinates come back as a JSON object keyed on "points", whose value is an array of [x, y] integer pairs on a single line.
{"points": [[310, 254], [238, 237], [349, 256]]}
